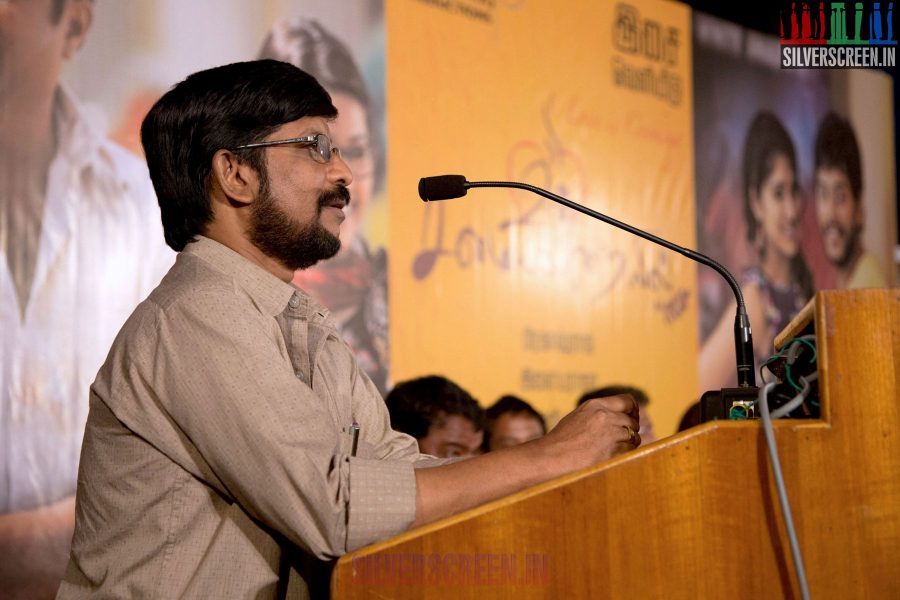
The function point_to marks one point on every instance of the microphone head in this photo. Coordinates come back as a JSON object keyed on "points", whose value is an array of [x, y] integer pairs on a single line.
{"points": [[442, 187]]}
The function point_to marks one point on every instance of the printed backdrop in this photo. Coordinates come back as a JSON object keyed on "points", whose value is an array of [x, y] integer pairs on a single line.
{"points": [[507, 292], [502, 291], [737, 78]]}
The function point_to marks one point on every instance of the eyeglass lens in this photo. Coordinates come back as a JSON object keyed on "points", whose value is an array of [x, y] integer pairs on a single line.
{"points": [[324, 148]]}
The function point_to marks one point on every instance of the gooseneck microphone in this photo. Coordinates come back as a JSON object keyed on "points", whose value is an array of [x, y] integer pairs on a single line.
{"points": [[447, 187]]}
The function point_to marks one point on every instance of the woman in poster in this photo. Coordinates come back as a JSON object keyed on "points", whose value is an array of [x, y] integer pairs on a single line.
{"points": [[353, 284], [778, 285]]}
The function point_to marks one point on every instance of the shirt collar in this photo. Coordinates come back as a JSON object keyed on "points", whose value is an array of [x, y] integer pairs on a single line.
{"points": [[83, 149], [77, 141], [270, 294]]}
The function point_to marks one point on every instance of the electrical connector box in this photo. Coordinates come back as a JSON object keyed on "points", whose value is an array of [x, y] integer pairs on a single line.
{"points": [[727, 402], [742, 409]]}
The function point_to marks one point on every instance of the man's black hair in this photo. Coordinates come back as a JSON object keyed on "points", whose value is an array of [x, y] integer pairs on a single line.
{"points": [[508, 404], [837, 148], [515, 405], [417, 404], [219, 108]]}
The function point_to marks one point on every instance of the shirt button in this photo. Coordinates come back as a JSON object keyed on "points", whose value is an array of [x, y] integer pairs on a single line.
{"points": [[294, 301]]}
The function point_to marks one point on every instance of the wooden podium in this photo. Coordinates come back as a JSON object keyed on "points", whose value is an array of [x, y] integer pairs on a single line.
{"points": [[694, 515]]}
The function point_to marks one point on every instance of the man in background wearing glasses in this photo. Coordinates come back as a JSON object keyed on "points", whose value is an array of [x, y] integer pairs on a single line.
{"points": [[233, 443]]}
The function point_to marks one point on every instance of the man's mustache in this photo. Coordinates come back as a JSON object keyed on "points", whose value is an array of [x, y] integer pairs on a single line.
{"points": [[833, 225], [340, 195]]}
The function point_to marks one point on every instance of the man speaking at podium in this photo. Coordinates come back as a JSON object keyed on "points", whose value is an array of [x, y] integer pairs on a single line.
{"points": [[232, 438]]}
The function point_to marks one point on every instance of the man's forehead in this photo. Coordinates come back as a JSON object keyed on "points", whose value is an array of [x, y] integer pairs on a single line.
{"points": [[468, 443], [444, 419], [834, 175], [456, 428], [518, 420], [302, 127]]}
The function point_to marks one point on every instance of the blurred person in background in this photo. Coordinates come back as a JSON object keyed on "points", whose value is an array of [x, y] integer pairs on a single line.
{"points": [[780, 283], [443, 417], [839, 209], [691, 417], [512, 421]]}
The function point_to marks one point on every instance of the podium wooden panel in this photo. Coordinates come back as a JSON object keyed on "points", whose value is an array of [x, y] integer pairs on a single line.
{"points": [[694, 515]]}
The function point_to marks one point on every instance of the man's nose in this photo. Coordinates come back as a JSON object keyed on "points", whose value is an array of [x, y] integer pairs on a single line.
{"points": [[825, 203], [339, 171]]}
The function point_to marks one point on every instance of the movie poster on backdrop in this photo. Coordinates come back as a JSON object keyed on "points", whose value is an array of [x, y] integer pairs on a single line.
{"points": [[80, 232], [504, 291], [795, 182], [341, 44]]}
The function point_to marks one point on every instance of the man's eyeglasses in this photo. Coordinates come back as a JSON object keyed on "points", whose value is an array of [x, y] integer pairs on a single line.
{"points": [[320, 142]]}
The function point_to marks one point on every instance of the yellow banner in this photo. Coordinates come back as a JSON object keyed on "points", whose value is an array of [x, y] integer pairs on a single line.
{"points": [[504, 291]]}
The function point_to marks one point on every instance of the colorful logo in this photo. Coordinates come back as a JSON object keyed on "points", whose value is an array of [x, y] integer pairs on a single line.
{"points": [[837, 35]]}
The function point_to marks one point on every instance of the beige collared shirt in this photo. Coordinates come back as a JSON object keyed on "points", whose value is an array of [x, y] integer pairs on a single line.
{"points": [[216, 456]]}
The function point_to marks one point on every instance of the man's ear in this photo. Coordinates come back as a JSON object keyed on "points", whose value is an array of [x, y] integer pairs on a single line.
{"points": [[238, 181], [77, 19]]}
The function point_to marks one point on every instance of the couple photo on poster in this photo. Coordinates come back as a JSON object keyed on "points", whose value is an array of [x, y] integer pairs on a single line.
{"points": [[786, 199]]}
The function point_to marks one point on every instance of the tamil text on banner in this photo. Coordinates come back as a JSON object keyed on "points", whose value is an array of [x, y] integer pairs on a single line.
{"points": [[506, 292]]}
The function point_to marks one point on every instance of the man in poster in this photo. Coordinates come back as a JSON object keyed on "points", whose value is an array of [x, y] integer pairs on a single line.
{"points": [[80, 245], [839, 210]]}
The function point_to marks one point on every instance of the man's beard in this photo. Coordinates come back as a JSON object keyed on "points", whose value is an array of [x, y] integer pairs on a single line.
{"points": [[850, 238], [295, 245]]}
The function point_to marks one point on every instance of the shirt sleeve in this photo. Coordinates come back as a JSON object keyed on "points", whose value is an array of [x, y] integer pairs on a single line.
{"points": [[382, 500], [215, 370]]}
